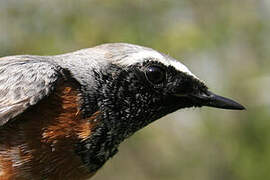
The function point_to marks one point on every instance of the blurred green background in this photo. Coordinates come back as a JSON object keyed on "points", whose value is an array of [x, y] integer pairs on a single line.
{"points": [[224, 42]]}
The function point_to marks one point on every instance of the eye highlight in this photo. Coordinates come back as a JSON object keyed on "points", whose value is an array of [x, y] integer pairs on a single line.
{"points": [[155, 74]]}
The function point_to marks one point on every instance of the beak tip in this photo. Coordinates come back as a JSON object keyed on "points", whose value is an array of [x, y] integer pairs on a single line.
{"points": [[239, 107], [235, 106], [224, 103]]}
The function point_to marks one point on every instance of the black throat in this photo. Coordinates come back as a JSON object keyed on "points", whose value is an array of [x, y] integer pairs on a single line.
{"points": [[122, 113]]}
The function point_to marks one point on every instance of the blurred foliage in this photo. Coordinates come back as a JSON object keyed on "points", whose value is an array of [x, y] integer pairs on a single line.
{"points": [[225, 42]]}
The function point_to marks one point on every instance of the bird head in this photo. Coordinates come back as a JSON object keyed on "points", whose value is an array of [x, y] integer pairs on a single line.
{"points": [[135, 86], [140, 85]]}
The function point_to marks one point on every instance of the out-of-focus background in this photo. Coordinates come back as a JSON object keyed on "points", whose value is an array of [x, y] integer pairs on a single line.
{"points": [[226, 43]]}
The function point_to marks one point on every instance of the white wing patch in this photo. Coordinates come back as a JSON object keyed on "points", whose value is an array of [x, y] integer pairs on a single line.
{"points": [[143, 55]]}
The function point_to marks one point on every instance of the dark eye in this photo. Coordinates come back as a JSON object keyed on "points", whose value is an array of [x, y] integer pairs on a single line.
{"points": [[155, 74]]}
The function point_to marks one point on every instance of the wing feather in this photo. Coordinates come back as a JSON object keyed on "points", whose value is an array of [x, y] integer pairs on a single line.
{"points": [[24, 81]]}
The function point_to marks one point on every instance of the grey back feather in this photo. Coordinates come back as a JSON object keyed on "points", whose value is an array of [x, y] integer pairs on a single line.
{"points": [[24, 81]]}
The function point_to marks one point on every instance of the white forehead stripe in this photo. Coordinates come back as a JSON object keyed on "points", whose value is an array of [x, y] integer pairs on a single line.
{"points": [[181, 67], [140, 56]]}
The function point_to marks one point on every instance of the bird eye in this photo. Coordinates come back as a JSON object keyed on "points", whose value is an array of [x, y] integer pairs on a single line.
{"points": [[155, 74]]}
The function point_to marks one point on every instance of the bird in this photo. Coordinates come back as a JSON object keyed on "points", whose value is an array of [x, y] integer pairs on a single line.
{"points": [[63, 116]]}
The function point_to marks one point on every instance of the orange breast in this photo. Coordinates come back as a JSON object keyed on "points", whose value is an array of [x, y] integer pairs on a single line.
{"points": [[39, 144]]}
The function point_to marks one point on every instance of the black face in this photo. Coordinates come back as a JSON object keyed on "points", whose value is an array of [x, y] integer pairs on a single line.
{"points": [[170, 86], [130, 98], [141, 93], [180, 90]]}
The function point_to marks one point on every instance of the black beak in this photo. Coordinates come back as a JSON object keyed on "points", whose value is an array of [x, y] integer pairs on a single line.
{"points": [[210, 99]]}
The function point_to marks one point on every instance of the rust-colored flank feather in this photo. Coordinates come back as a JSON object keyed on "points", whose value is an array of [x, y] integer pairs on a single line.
{"points": [[39, 144]]}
